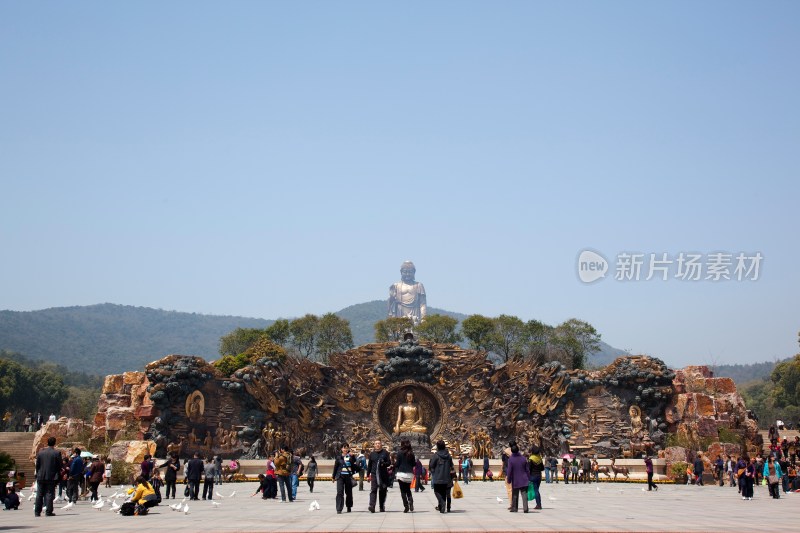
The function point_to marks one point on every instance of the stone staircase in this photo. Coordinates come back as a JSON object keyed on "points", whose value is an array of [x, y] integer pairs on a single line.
{"points": [[19, 445], [790, 434]]}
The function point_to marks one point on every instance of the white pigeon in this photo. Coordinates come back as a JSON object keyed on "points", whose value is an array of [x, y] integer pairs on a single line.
{"points": [[113, 496], [21, 495], [183, 501], [57, 499], [69, 506], [314, 505], [215, 504], [499, 499], [115, 506], [186, 509], [232, 494], [218, 494], [551, 498], [99, 505], [32, 496], [175, 507], [598, 488]]}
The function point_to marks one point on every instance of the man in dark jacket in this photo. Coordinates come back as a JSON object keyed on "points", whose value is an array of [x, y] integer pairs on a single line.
{"points": [[698, 468], [378, 476], [586, 466], [48, 468], [194, 470], [442, 470], [76, 471]]}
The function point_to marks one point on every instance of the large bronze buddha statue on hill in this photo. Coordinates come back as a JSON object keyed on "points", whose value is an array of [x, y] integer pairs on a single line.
{"points": [[409, 417], [407, 296]]}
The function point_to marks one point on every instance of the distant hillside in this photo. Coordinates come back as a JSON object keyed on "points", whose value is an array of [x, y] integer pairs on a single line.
{"points": [[742, 374], [362, 318], [107, 338], [605, 356]]}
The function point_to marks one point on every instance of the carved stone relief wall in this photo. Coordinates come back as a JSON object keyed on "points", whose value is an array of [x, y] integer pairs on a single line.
{"points": [[460, 397]]}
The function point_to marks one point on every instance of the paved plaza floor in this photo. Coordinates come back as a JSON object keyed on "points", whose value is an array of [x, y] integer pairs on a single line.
{"points": [[614, 507]]}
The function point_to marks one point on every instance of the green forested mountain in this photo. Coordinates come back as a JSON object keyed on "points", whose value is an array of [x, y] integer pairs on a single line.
{"points": [[742, 374], [107, 338], [362, 318]]}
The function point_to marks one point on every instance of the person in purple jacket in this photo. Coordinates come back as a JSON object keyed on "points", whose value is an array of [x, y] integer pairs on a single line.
{"points": [[518, 477], [648, 466]]}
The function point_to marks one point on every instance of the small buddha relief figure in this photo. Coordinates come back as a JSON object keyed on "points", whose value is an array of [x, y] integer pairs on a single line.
{"points": [[409, 417], [636, 419], [195, 406]]}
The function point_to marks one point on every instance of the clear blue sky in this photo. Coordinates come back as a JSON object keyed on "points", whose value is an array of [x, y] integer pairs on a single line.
{"points": [[271, 159]]}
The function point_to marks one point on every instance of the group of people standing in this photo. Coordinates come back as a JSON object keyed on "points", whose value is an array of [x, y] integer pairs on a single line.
{"points": [[75, 475], [776, 471], [575, 469], [195, 470], [24, 421], [284, 470], [382, 469]]}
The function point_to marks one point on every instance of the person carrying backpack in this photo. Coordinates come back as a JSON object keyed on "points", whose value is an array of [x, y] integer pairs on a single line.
{"points": [[282, 466]]}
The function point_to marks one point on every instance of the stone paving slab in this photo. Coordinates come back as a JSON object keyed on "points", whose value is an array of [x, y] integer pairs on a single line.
{"points": [[614, 507]]}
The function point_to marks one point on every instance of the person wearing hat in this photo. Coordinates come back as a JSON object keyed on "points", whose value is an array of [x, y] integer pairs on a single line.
{"points": [[48, 469]]}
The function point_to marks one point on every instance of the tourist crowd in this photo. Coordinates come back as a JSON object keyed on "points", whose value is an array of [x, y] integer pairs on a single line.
{"points": [[79, 475]]}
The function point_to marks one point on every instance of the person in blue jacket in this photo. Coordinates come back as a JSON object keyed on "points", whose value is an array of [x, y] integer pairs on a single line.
{"points": [[773, 475]]}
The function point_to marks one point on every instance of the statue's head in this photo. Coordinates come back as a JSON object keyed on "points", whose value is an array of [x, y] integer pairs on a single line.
{"points": [[407, 271], [409, 396]]}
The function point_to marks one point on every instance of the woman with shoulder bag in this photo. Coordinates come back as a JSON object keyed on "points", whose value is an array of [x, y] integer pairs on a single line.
{"points": [[773, 475], [344, 468], [404, 471]]}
